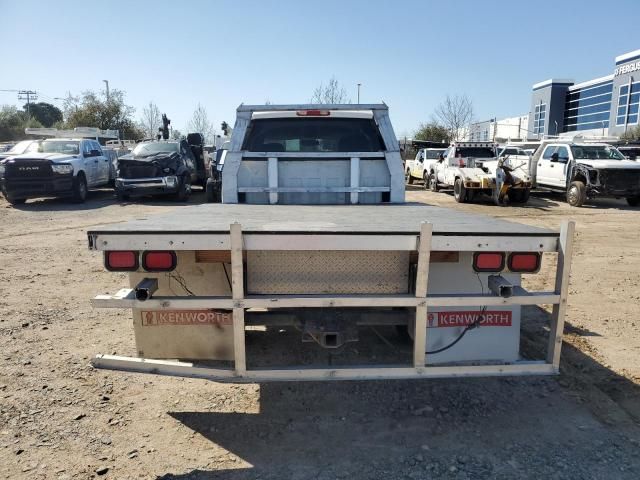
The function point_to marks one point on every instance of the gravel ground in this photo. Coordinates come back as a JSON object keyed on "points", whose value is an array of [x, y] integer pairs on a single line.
{"points": [[61, 419]]}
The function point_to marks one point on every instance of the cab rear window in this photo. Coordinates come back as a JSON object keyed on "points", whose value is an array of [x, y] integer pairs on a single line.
{"points": [[475, 152], [313, 135]]}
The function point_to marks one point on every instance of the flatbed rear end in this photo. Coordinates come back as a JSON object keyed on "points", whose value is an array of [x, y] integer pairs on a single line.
{"points": [[313, 281]]}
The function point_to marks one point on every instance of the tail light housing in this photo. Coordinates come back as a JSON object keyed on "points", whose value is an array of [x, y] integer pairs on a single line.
{"points": [[524, 262], [159, 261], [313, 113], [121, 261], [488, 261]]}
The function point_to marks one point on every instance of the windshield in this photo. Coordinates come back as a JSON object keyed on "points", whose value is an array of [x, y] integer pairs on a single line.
{"points": [[313, 135], [68, 147], [596, 152], [20, 147], [475, 152], [151, 148], [512, 151], [434, 154]]}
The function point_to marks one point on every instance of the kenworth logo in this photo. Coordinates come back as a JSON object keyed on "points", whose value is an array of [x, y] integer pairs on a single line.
{"points": [[628, 68]]}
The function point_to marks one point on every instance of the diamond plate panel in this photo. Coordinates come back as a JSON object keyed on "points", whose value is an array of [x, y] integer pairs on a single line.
{"points": [[327, 272]]}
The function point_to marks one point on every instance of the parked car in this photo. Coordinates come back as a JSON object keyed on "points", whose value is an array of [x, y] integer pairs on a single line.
{"points": [[57, 167], [586, 170], [214, 182], [19, 148], [419, 167], [157, 168]]}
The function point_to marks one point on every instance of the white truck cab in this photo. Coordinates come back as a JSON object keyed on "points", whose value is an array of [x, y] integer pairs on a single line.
{"points": [[420, 167], [585, 170], [472, 168], [58, 167]]}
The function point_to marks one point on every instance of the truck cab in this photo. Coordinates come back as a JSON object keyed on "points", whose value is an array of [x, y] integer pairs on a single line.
{"points": [[58, 167], [420, 167], [313, 154], [586, 170], [473, 168]]}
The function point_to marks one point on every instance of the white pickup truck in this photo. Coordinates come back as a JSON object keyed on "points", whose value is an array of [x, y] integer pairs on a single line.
{"points": [[420, 167], [58, 167], [473, 168], [585, 170], [309, 283]]}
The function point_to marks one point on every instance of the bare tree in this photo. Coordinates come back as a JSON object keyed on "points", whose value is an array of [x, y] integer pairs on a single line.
{"points": [[332, 93], [200, 123], [151, 120], [176, 134], [455, 114]]}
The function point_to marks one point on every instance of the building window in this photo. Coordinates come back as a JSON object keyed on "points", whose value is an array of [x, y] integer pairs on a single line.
{"points": [[627, 113], [588, 108], [539, 118]]}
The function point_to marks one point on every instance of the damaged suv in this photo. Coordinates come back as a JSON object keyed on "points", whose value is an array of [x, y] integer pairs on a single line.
{"points": [[159, 168], [586, 170]]}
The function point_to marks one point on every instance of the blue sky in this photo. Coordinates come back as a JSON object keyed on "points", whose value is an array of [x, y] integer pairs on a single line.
{"points": [[410, 54]]}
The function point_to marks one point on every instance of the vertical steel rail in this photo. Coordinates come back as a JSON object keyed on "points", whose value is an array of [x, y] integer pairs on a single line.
{"points": [[422, 280], [237, 289], [563, 270], [272, 178], [355, 179]]}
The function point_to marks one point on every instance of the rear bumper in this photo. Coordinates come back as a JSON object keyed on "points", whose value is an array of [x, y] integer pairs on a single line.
{"points": [[58, 185], [148, 186]]}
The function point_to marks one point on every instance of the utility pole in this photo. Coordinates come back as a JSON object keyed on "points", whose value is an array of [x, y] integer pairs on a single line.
{"points": [[28, 95], [359, 92], [106, 82]]}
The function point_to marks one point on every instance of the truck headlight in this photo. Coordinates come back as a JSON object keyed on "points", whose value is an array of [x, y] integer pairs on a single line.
{"points": [[63, 169]]}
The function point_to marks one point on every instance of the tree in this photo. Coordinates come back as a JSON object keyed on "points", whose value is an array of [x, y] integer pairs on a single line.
{"points": [[13, 122], [176, 134], [433, 132], [455, 114], [332, 93], [95, 110], [632, 134], [45, 113], [200, 123], [151, 120]]}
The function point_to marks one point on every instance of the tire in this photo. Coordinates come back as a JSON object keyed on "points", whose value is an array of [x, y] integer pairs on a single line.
{"points": [[576, 194], [519, 196], [184, 190], [459, 192], [210, 193], [80, 188], [121, 196], [433, 183], [15, 201], [426, 178], [408, 177], [633, 201]]}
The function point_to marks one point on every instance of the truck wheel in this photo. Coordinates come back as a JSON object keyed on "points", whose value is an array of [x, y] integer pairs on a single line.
{"points": [[408, 177], [633, 201], [576, 194], [210, 191], [520, 196], [79, 188], [433, 183], [459, 192], [15, 201], [121, 196], [426, 178], [184, 191]]}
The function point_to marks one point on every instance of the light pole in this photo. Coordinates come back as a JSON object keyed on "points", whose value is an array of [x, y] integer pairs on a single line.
{"points": [[359, 92], [106, 82]]}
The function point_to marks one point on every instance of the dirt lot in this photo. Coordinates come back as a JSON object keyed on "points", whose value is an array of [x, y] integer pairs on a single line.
{"points": [[59, 418]]}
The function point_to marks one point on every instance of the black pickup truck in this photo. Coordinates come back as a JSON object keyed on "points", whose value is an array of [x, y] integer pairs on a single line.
{"points": [[162, 168]]}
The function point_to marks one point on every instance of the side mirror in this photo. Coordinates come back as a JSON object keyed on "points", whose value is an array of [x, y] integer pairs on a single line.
{"points": [[441, 157], [554, 157]]}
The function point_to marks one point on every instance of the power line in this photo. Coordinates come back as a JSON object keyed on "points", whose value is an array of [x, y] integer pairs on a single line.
{"points": [[28, 95]]}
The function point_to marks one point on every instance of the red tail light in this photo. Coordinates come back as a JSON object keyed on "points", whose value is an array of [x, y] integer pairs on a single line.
{"points": [[159, 261], [488, 262], [526, 262], [119, 261], [313, 113]]}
